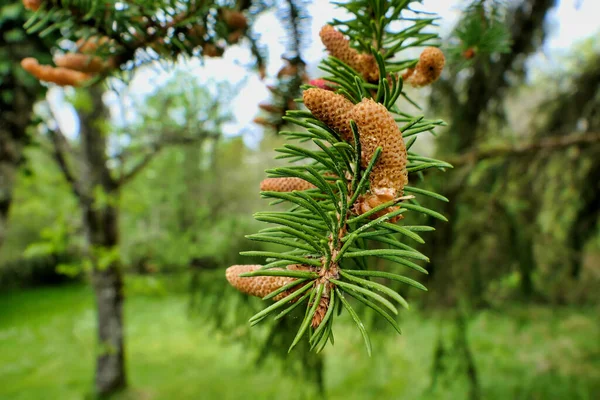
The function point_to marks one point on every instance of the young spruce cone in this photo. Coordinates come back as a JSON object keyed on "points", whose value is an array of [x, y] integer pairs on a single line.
{"points": [[339, 47], [91, 44], [428, 69], [60, 76], [81, 62], [285, 184], [377, 128], [234, 19], [331, 109], [320, 312], [32, 5], [260, 286]]}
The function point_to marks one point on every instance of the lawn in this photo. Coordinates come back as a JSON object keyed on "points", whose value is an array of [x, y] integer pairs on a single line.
{"points": [[47, 352]]}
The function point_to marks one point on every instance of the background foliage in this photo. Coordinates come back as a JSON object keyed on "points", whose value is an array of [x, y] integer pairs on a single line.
{"points": [[512, 310]]}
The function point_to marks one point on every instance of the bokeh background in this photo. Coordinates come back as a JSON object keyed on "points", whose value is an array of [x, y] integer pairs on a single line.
{"points": [[513, 308]]}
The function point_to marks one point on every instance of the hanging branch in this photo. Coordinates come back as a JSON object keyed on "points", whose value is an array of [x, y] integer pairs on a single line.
{"points": [[292, 75], [551, 143], [348, 189], [58, 142], [155, 148]]}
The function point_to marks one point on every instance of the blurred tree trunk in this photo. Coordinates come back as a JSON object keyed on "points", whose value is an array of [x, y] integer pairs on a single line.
{"points": [[97, 191], [99, 203]]}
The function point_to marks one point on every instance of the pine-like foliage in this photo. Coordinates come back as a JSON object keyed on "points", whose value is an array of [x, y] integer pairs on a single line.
{"points": [[481, 32], [103, 37], [349, 188], [293, 17]]}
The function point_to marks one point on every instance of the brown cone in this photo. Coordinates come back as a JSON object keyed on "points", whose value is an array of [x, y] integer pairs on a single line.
{"points": [[260, 286], [339, 47], [320, 312], [377, 128], [331, 109], [285, 184], [428, 69], [90, 45], [60, 76], [32, 5], [80, 62], [234, 19]]}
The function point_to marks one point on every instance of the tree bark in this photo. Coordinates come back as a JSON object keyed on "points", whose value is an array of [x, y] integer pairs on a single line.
{"points": [[100, 219], [110, 364]]}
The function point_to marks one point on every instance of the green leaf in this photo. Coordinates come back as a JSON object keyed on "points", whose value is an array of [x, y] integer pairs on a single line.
{"points": [[388, 252], [369, 293], [308, 318], [376, 286], [293, 306], [386, 275], [424, 192], [357, 320], [365, 176], [402, 230], [275, 306], [289, 243], [426, 211], [378, 309], [375, 210]]}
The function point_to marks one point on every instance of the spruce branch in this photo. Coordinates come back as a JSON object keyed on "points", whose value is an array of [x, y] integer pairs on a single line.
{"points": [[107, 37], [348, 191], [552, 143], [292, 75]]}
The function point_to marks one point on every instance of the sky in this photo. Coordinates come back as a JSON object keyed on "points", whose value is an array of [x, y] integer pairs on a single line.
{"points": [[571, 21]]}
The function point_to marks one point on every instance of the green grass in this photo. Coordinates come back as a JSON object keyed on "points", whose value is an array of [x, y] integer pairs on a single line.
{"points": [[47, 352]]}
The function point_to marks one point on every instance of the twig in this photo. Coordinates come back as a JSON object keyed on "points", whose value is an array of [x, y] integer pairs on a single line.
{"points": [[58, 142], [155, 148]]}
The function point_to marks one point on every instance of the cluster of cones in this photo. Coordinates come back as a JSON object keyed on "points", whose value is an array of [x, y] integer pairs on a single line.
{"points": [[73, 69], [89, 60], [376, 128], [428, 69], [290, 77], [262, 286], [236, 24]]}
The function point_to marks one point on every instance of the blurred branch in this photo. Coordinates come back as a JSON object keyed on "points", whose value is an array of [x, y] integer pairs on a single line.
{"points": [[155, 148], [509, 150], [59, 143], [61, 147]]}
